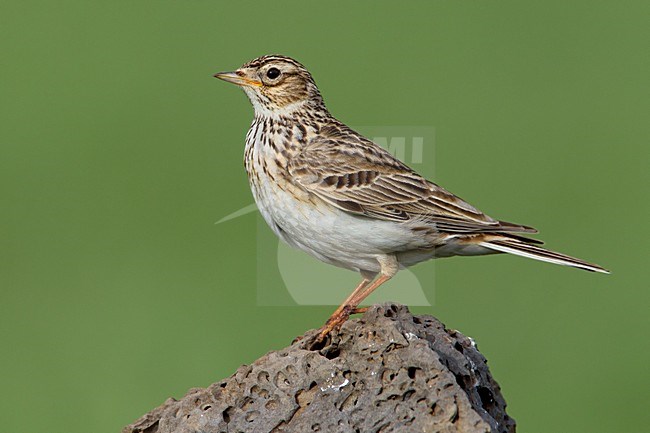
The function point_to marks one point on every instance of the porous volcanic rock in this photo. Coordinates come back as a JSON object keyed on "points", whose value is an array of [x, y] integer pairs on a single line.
{"points": [[388, 371]]}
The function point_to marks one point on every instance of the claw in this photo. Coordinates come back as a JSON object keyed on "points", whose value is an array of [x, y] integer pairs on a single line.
{"points": [[335, 322]]}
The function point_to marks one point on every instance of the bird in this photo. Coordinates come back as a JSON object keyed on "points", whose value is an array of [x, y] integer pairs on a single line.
{"points": [[329, 191]]}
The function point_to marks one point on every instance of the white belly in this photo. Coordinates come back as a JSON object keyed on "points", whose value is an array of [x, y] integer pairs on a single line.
{"points": [[329, 234]]}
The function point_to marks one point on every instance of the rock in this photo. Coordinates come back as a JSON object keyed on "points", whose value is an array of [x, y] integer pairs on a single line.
{"points": [[387, 371]]}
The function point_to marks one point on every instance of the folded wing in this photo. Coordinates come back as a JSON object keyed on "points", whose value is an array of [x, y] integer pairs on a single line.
{"points": [[364, 179]]}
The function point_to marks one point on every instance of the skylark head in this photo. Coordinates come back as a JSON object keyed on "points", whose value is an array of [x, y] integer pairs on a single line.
{"points": [[275, 84]]}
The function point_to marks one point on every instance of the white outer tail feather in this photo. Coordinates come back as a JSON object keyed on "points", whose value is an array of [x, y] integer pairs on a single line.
{"points": [[534, 252]]}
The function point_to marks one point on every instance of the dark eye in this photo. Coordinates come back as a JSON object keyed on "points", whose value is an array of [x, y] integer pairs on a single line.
{"points": [[273, 73]]}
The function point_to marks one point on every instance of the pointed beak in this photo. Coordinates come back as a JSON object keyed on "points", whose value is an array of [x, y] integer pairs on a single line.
{"points": [[235, 78]]}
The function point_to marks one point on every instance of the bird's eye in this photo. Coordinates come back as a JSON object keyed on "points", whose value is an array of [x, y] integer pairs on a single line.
{"points": [[273, 73]]}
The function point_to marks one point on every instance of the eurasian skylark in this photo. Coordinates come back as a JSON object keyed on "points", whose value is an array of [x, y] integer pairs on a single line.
{"points": [[341, 198]]}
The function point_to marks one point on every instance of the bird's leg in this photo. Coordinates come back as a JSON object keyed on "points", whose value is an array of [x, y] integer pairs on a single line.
{"points": [[389, 267], [347, 303], [335, 317], [349, 306]]}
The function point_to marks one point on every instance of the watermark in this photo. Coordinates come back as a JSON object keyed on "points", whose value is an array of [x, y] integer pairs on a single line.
{"points": [[287, 276]]}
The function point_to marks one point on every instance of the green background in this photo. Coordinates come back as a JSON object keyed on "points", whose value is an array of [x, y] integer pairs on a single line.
{"points": [[119, 151]]}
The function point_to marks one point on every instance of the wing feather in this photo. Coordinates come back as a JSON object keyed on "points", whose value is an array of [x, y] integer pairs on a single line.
{"points": [[360, 177]]}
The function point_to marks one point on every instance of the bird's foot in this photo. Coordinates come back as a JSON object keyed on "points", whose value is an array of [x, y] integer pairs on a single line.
{"points": [[332, 324], [335, 322]]}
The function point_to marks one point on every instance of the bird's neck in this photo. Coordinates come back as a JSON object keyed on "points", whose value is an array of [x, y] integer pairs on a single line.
{"points": [[284, 133], [295, 110], [302, 117]]}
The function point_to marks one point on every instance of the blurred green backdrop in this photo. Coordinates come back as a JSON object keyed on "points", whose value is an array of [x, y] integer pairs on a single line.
{"points": [[119, 151]]}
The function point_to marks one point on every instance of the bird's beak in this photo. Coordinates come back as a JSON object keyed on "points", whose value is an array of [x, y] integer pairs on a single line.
{"points": [[235, 78]]}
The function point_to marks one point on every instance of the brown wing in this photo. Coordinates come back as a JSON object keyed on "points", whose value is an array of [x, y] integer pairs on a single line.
{"points": [[358, 176]]}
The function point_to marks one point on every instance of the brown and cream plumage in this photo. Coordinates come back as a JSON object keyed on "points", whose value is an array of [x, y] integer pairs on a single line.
{"points": [[336, 195]]}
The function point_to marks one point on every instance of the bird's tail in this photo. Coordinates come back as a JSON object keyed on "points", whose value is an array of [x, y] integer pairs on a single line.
{"points": [[519, 247]]}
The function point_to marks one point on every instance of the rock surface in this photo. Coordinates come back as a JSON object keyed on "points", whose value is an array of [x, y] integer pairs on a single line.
{"points": [[385, 372]]}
